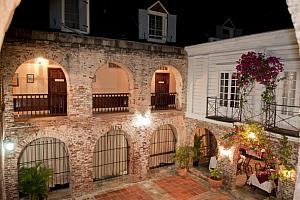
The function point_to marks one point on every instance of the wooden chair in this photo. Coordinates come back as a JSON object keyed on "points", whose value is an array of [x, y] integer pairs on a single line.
{"points": [[258, 167], [246, 162], [248, 171]]}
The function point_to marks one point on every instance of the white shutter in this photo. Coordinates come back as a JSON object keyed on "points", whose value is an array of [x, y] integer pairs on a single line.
{"points": [[171, 34], [219, 31], [84, 16], [55, 14], [143, 24], [238, 32]]}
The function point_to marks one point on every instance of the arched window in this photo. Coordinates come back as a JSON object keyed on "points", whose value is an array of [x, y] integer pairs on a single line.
{"points": [[163, 144], [110, 157], [52, 153]]}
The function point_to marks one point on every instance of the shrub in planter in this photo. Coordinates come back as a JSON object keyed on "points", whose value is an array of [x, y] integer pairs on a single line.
{"points": [[34, 181], [215, 179]]}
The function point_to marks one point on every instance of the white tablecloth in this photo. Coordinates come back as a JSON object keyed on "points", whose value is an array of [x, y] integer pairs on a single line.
{"points": [[266, 186], [212, 162]]}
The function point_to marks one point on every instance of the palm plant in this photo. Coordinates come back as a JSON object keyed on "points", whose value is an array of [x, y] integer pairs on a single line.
{"points": [[34, 181]]}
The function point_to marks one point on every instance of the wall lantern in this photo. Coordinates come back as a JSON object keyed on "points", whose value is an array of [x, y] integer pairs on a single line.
{"points": [[143, 119], [8, 144], [251, 135], [225, 152]]}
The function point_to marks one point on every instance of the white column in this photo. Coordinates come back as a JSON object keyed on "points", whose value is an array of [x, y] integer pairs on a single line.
{"points": [[7, 8]]}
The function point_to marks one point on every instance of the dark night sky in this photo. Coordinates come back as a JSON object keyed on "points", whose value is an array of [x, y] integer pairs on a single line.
{"points": [[196, 19]]}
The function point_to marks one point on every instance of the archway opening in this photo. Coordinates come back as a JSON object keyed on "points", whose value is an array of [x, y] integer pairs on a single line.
{"points": [[205, 147], [162, 147], [111, 156], [166, 89], [39, 89], [111, 88], [51, 153]]}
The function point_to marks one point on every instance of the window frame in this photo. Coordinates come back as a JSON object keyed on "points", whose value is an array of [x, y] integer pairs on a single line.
{"points": [[229, 102], [64, 28], [287, 91], [164, 26]]}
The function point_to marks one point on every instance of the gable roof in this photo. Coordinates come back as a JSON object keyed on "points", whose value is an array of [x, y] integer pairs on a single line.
{"points": [[229, 23], [157, 6]]}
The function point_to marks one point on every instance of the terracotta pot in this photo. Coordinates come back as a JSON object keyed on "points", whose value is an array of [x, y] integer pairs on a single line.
{"points": [[182, 171], [215, 183]]}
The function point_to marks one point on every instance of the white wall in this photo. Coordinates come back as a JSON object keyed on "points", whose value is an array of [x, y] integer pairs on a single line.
{"points": [[207, 61]]}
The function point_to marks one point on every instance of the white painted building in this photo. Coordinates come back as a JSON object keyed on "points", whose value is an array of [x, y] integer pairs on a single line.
{"points": [[212, 82]]}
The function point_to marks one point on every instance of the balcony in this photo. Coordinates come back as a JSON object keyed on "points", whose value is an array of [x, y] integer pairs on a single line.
{"points": [[223, 110], [283, 119], [163, 101], [113, 102], [30, 105]]}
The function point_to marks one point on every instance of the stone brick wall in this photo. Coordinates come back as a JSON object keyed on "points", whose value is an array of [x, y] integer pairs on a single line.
{"points": [[286, 188], [80, 57]]}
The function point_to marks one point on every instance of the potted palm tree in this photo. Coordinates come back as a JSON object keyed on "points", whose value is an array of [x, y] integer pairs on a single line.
{"points": [[182, 156], [215, 179], [34, 181]]}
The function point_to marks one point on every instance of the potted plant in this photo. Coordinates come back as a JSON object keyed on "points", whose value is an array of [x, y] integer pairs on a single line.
{"points": [[215, 179], [182, 156], [34, 181], [196, 151]]}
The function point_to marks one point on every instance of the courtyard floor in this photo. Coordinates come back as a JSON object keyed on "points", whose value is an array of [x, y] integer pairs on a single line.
{"points": [[170, 186], [166, 188]]}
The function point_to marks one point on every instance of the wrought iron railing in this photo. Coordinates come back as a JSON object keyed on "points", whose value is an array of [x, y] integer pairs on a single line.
{"points": [[226, 110], [283, 119], [27, 105], [163, 101], [113, 102]]}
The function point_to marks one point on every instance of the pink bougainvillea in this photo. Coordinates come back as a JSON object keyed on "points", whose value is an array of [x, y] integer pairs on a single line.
{"points": [[258, 67]]}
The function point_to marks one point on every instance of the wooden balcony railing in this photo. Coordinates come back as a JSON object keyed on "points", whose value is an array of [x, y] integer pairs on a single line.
{"points": [[163, 101], [114, 102], [225, 110], [27, 105], [283, 119]]}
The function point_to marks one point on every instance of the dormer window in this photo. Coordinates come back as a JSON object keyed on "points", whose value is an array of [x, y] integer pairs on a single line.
{"points": [[156, 27], [70, 15], [156, 24]]}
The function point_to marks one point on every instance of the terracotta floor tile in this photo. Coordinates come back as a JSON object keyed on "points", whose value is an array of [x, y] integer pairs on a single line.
{"points": [[130, 193], [181, 188]]}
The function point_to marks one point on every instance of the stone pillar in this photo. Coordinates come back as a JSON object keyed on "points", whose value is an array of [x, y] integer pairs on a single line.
{"points": [[297, 179], [227, 161], [80, 94], [11, 176], [81, 168], [286, 189]]}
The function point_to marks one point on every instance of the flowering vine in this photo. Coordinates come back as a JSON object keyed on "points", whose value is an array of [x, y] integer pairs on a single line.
{"points": [[244, 135], [257, 67]]}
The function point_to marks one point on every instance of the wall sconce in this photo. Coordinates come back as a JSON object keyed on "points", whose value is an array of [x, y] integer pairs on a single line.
{"points": [[8, 144], [143, 119], [225, 152], [287, 173], [251, 135], [41, 61]]}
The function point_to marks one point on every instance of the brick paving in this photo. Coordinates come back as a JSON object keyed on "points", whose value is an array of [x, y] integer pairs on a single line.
{"points": [[181, 188], [129, 193], [166, 188]]}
